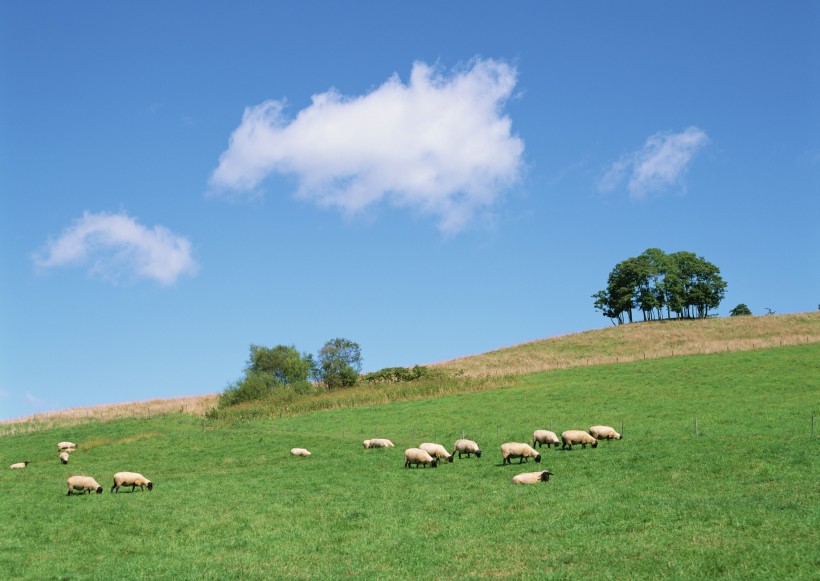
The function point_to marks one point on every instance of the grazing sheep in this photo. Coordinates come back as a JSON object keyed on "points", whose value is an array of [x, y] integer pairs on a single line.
{"points": [[19, 465], [532, 477], [518, 450], [300, 452], [66, 446], [542, 437], [604, 433], [64, 457], [418, 456], [467, 447], [571, 437], [83, 484], [437, 451], [378, 443], [132, 479]]}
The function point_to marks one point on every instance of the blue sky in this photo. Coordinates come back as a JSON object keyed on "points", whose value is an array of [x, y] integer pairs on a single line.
{"points": [[428, 179]]}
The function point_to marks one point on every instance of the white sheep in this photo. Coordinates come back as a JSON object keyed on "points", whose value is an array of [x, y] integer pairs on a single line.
{"points": [[604, 433], [300, 452], [436, 451], [132, 479], [19, 465], [378, 443], [571, 437], [518, 450], [532, 477], [82, 484], [64, 457], [416, 456], [66, 446], [542, 437], [467, 447]]}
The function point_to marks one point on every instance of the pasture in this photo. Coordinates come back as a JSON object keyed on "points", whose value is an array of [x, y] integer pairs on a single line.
{"points": [[739, 500]]}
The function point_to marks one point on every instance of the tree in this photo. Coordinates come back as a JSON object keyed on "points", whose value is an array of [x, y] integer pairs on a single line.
{"points": [[682, 283], [740, 311], [340, 362], [284, 364]]}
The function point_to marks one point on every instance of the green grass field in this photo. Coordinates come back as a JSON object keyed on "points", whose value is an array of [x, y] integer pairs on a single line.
{"points": [[739, 501]]}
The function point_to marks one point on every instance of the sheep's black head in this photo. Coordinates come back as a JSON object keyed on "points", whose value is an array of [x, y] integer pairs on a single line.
{"points": [[545, 476], [595, 444], [434, 463], [538, 457], [478, 453], [150, 485], [27, 462], [450, 458], [99, 490]]}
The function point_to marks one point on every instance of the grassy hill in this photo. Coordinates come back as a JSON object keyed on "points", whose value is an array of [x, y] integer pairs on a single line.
{"points": [[735, 498], [624, 343]]}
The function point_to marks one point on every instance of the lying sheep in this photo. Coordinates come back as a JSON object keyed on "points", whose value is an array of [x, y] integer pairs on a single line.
{"points": [[518, 450], [542, 437], [64, 457], [19, 465], [604, 433], [571, 437], [83, 484], [132, 479], [532, 477], [437, 451], [378, 443], [416, 456], [66, 446], [300, 452], [467, 447]]}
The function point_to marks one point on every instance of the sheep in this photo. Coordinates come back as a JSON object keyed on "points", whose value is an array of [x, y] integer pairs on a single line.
{"points": [[532, 477], [571, 437], [82, 484], [132, 479], [604, 433], [418, 456], [64, 457], [19, 465], [518, 450], [300, 452], [378, 443], [466, 447], [437, 451], [66, 446], [542, 437]]}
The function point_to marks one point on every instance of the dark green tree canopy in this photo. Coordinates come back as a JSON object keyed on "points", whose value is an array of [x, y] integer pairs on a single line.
{"points": [[340, 361], [740, 310], [680, 284]]}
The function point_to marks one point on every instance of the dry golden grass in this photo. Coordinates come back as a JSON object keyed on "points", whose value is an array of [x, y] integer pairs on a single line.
{"points": [[636, 341], [195, 405]]}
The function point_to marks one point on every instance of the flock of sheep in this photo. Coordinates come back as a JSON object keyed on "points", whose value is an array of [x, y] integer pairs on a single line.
{"points": [[83, 484], [429, 453]]}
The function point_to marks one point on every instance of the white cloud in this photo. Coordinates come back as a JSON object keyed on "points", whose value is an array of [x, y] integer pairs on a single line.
{"points": [[116, 245], [439, 144], [656, 167]]}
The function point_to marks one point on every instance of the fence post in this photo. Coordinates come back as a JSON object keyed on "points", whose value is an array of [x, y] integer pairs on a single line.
{"points": [[696, 426]]}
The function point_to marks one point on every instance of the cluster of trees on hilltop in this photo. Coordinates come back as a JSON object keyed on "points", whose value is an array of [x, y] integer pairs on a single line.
{"points": [[338, 365], [680, 285]]}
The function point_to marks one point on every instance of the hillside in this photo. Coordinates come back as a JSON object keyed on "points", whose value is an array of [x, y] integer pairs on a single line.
{"points": [[619, 344]]}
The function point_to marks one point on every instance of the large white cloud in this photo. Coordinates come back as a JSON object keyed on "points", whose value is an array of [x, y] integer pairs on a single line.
{"points": [[439, 144], [659, 165], [116, 246]]}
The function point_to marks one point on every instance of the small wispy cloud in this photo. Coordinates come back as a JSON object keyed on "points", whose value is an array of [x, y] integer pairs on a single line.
{"points": [[116, 246], [439, 144], [658, 166]]}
